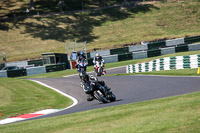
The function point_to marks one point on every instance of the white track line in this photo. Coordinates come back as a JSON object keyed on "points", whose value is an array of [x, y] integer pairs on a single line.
{"points": [[42, 112], [75, 101]]}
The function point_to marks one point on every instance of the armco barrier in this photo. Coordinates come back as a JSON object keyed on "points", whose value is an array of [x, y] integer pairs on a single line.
{"points": [[36, 62], [153, 53], [2, 66], [16, 73], [18, 63], [111, 58], [156, 45], [174, 42], [168, 63], [194, 47], [119, 51], [57, 67], [149, 46], [138, 48], [88, 55], [193, 39], [90, 62], [123, 57], [169, 50], [102, 53], [181, 48], [140, 55], [35, 70], [3, 74]]}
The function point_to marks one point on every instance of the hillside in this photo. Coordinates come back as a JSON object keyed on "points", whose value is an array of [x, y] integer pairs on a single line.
{"points": [[26, 37]]}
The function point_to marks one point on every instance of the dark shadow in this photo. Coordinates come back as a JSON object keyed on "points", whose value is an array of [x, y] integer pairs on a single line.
{"points": [[118, 100], [80, 27]]}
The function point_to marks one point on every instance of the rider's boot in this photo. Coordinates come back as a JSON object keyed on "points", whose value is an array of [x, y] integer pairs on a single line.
{"points": [[89, 97]]}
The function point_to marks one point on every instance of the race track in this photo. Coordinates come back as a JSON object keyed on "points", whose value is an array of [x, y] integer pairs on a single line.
{"points": [[128, 89]]}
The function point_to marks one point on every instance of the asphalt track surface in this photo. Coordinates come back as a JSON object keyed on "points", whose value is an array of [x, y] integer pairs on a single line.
{"points": [[128, 89]]}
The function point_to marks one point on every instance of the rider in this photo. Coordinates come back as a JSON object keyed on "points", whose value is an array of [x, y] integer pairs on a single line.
{"points": [[89, 84], [99, 58], [81, 57]]}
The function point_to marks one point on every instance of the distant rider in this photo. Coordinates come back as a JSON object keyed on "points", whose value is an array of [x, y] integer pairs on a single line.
{"points": [[81, 58], [89, 84], [99, 59]]}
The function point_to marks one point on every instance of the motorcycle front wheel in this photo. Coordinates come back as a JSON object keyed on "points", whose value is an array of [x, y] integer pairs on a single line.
{"points": [[112, 97]]}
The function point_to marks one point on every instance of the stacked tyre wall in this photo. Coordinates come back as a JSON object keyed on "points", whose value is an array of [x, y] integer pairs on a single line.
{"points": [[168, 63]]}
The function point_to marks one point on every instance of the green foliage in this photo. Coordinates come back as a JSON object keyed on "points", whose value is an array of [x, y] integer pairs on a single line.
{"points": [[172, 114], [27, 37], [20, 96]]}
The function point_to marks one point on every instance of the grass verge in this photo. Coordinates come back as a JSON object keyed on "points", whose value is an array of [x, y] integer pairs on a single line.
{"points": [[178, 114], [181, 72], [20, 96], [28, 37]]}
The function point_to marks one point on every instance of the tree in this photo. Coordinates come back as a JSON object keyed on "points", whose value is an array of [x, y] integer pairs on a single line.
{"points": [[32, 4]]}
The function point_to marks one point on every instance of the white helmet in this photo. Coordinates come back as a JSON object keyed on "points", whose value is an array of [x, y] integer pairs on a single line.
{"points": [[97, 54]]}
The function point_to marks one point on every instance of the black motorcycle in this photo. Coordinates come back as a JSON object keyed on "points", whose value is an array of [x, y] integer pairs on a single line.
{"points": [[99, 91], [104, 95]]}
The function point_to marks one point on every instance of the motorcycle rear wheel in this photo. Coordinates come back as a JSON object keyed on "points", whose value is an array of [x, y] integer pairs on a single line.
{"points": [[99, 96]]}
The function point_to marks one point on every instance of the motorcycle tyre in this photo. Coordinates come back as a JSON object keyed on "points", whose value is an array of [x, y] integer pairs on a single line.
{"points": [[112, 98], [99, 96]]}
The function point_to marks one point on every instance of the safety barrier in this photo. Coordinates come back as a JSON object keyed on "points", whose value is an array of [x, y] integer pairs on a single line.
{"points": [[151, 46], [168, 63], [16, 73], [194, 47], [138, 48], [3, 74], [33, 70], [2, 66], [56, 67], [36, 62]]}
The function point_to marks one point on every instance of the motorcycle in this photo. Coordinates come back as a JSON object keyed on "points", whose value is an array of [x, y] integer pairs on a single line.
{"points": [[104, 96], [82, 68], [100, 92], [99, 68]]}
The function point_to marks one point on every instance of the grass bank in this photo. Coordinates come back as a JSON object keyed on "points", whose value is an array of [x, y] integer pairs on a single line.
{"points": [[28, 37], [178, 114], [20, 96]]}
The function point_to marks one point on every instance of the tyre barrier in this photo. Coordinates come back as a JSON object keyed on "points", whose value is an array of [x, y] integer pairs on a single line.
{"points": [[167, 63]]}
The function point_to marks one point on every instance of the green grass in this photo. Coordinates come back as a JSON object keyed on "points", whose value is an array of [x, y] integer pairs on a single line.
{"points": [[173, 114], [28, 37], [19, 96], [181, 72], [178, 114]]}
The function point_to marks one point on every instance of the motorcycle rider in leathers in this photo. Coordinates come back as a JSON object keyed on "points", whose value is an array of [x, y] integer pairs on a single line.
{"points": [[81, 57], [96, 59], [89, 84]]}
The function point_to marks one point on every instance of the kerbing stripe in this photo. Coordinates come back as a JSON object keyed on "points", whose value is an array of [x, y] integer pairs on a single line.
{"points": [[39, 113]]}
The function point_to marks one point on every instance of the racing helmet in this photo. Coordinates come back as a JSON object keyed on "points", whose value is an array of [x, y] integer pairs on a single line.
{"points": [[82, 53], [97, 56], [85, 77]]}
